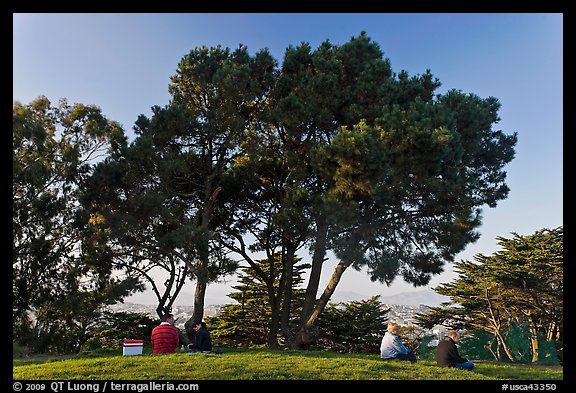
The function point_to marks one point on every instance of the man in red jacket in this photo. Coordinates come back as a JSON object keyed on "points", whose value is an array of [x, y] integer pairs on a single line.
{"points": [[165, 336]]}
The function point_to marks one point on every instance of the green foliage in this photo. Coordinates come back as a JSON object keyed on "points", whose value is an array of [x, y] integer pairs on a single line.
{"points": [[115, 327], [58, 292], [353, 159], [548, 353], [478, 345], [482, 345], [518, 340], [91, 345], [247, 322], [515, 295], [331, 150], [353, 327], [427, 351], [412, 336], [20, 350], [173, 177]]}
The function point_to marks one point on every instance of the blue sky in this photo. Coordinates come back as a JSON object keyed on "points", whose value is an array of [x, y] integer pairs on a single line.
{"points": [[123, 63]]}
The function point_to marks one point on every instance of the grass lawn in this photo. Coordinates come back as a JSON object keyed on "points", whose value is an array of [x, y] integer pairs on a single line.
{"points": [[264, 364]]}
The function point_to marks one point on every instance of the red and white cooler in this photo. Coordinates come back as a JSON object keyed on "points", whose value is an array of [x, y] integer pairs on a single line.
{"points": [[132, 347]]}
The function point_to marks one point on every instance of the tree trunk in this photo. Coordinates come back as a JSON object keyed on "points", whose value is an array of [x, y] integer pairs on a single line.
{"points": [[534, 343], [203, 247], [274, 300], [309, 333], [315, 271], [199, 295], [272, 339], [496, 354], [286, 288], [198, 313], [504, 347]]}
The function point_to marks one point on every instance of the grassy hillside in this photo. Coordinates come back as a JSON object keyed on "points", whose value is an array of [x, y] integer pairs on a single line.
{"points": [[261, 364]]}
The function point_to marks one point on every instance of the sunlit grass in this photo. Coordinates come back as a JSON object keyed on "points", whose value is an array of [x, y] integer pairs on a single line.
{"points": [[263, 364]]}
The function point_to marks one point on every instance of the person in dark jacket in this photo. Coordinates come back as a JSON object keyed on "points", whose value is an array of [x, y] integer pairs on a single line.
{"points": [[447, 353], [202, 341]]}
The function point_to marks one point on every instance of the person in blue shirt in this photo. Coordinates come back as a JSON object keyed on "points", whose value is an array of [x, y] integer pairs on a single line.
{"points": [[391, 346]]}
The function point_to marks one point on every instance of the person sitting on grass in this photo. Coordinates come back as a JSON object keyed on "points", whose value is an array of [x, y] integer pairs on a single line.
{"points": [[391, 346], [164, 337], [447, 353], [202, 341]]}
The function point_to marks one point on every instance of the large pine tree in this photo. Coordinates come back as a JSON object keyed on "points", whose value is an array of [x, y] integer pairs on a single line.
{"points": [[522, 283]]}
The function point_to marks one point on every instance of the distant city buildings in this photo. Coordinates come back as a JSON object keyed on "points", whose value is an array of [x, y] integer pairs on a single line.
{"points": [[402, 314]]}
